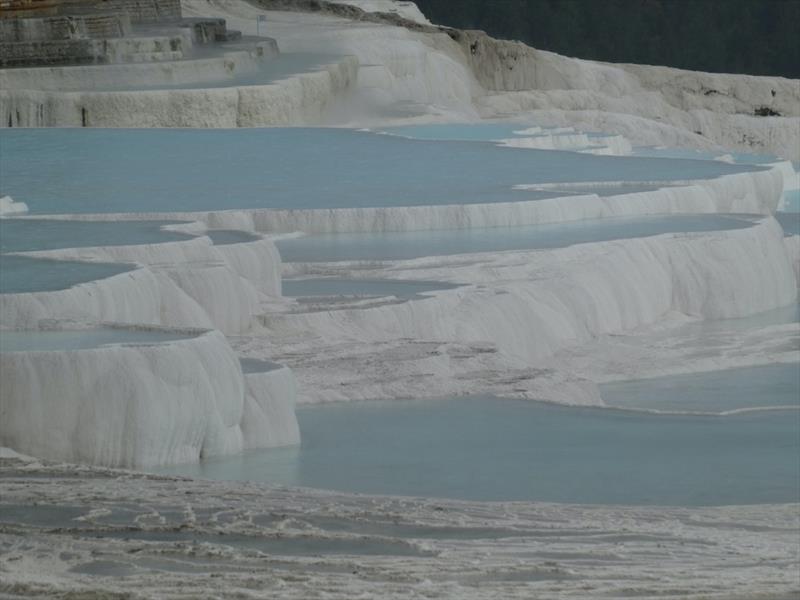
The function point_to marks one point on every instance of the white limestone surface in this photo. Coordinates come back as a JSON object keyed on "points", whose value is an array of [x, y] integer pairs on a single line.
{"points": [[268, 418], [519, 308], [427, 74], [202, 540], [225, 67], [259, 262], [229, 300], [401, 70], [613, 145], [8, 206], [454, 79], [226, 281], [401, 8], [751, 192], [133, 406]]}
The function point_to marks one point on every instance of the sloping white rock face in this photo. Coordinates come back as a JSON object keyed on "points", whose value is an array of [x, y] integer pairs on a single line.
{"points": [[615, 145], [541, 302], [718, 107], [792, 244], [754, 193], [258, 262], [302, 99], [268, 419], [398, 67], [394, 74], [137, 297], [229, 300], [224, 281], [223, 68], [128, 406]]}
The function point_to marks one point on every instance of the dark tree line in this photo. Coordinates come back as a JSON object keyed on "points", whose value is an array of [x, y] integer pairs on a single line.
{"points": [[760, 37]]}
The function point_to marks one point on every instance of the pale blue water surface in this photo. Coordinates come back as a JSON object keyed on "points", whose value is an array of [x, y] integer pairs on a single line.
{"points": [[82, 339], [483, 448], [790, 221], [25, 235], [103, 170], [254, 365], [20, 274], [759, 387], [416, 244]]}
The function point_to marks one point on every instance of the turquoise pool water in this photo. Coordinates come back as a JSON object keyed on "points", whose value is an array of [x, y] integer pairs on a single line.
{"points": [[254, 365], [25, 235], [415, 244], [100, 170], [483, 448], [707, 327], [20, 274], [791, 201], [81, 339]]}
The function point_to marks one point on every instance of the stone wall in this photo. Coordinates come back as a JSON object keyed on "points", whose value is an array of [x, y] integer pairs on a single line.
{"points": [[56, 52], [140, 11], [67, 27]]}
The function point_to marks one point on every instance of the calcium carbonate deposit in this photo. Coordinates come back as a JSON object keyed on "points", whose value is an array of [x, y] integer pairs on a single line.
{"points": [[396, 320]]}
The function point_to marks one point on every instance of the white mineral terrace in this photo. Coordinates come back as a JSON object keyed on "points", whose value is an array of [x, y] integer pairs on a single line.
{"points": [[177, 317]]}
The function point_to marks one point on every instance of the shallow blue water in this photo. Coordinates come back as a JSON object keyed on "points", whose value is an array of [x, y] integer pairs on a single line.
{"points": [[718, 391], [81, 339], [415, 244], [790, 221], [328, 286], [791, 201], [25, 235], [225, 237], [103, 170], [20, 274], [492, 449], [254, 365]]}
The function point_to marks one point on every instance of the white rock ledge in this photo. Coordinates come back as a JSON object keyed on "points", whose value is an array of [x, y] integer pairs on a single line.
{"points": [[300, 99], [541, 302], [752, 192], [142, 405], [225, 280], [140, 297]]}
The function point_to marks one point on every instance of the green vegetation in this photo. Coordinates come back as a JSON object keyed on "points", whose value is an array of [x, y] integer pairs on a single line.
{"points": [[759, 37]]}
